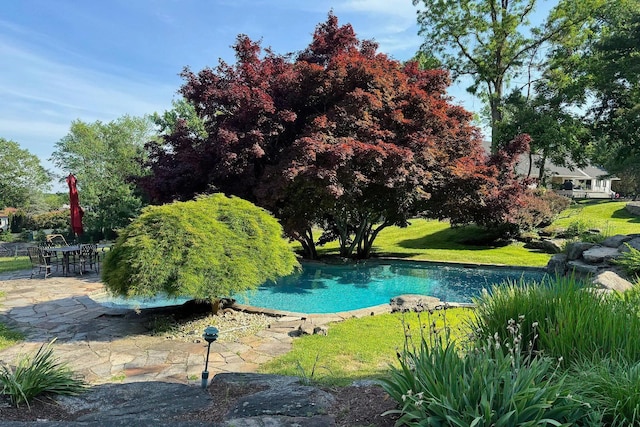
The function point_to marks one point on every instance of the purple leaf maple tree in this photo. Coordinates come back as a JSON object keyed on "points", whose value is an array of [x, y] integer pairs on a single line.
{"points": [[338, 138]]}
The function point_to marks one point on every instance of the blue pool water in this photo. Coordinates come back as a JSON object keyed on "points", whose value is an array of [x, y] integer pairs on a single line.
{"points": [[322, 288]]}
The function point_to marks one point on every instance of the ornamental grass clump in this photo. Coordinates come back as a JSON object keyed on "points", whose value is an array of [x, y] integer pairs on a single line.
{"points": [[574, 321], [438, 384], [630, 261], [39, 374], [611, 386], [211, 247]]}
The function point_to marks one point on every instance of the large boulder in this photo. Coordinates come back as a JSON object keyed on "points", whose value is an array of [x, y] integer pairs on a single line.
{"points": [[616, 241], [611, 280], [284, 401], [557, 265], [575, 249], [633, 208], [580, 267], [415, 303], [599, 254], [549, 246], [634, 243]]}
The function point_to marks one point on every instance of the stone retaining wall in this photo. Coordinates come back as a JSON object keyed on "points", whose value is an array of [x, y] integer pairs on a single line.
{"points": [[596, 261]]}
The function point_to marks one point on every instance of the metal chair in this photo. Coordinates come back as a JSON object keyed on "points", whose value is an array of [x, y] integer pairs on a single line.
{"points": [[52, 257], [89, 257], [56, 240], [39, 261]]}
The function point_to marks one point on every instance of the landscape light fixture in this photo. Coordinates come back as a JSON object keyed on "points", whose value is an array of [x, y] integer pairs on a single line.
{"points": [[210, 335]]}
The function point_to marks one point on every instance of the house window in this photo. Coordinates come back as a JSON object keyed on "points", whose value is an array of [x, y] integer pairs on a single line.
{"points": [[588, 184]]}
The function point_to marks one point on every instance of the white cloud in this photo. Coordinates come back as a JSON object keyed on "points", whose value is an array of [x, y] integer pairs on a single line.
{"points": [[403, 9]]}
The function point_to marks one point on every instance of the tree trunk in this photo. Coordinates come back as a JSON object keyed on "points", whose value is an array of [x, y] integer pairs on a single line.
{"points": [[308, 244], [495, 104], [368, 243], [543, 160]]}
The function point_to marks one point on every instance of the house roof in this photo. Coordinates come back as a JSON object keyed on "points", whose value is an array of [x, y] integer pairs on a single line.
{"points": [[7, 211], [574, 172], [589, 172]]}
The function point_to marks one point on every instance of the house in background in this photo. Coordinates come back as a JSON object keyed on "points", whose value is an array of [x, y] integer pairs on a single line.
{"points": [[590, 182], [4, 219]]}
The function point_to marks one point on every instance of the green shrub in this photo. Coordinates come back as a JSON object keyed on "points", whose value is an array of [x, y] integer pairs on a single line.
{"points": [[51, 220], [574, 322], [437, 385], [630, 261], [207, 248], [37, 375], [578, 227], [610, 386], [539, 208]]}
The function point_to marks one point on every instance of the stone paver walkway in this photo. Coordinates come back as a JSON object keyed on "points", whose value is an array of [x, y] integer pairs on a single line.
{"points": [[107, 345], [110, 345]]}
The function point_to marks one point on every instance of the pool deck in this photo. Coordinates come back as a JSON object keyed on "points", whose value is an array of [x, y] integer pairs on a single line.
{"points": [[110, 345]]}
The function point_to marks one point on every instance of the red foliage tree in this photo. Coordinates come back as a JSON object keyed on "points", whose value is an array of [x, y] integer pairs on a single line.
{"points": [[486, 190], [341, 136]]}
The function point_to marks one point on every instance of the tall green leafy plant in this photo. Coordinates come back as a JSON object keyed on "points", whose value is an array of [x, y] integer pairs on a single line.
{"points": [[573, 321], [438, 385], [630, 261], [610, 386], [39, 374], [206, 248]]}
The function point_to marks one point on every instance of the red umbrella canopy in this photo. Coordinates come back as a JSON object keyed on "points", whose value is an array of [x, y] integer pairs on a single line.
{"points": [[76, 210]]}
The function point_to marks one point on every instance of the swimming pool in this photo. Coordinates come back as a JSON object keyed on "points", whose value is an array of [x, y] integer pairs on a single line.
{"points": [[327, 288]]}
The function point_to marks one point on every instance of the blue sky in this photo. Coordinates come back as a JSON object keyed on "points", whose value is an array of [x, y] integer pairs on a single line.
{"points": [[98, 60]]}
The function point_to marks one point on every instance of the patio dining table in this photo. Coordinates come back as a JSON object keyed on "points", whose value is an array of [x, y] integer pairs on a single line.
{"points": [[66, 252]]}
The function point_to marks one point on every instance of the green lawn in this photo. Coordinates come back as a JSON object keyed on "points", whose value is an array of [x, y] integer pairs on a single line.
{"points": [[361, 348], [432, 240], [7, 336], [13, 264], [437, 241], [608, 216]]}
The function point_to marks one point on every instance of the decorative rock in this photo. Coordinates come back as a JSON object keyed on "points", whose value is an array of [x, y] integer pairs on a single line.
{"points": [[321, 330], [127, 404], [582, 267], [598, 254], [415, 303], [633, 208], [293, 401], [575, 249], [557, 264], [634, 243], [554, 246], [610, 280], [550, 246], [616, 241]]}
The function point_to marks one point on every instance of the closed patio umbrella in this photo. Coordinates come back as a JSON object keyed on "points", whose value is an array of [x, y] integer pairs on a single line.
{"points": [[76, 210]]}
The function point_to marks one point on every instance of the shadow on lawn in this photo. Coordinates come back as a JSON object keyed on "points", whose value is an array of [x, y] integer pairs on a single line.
{"points": [[625, 214], [463, 238]]}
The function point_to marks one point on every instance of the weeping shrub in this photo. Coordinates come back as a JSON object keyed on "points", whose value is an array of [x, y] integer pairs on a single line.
{"points": [[207, 248]]}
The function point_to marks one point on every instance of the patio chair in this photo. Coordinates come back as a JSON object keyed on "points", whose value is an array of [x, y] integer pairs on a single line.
{"points": [[56, 240], [39, 261], [89, 257], [52, 257]]}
